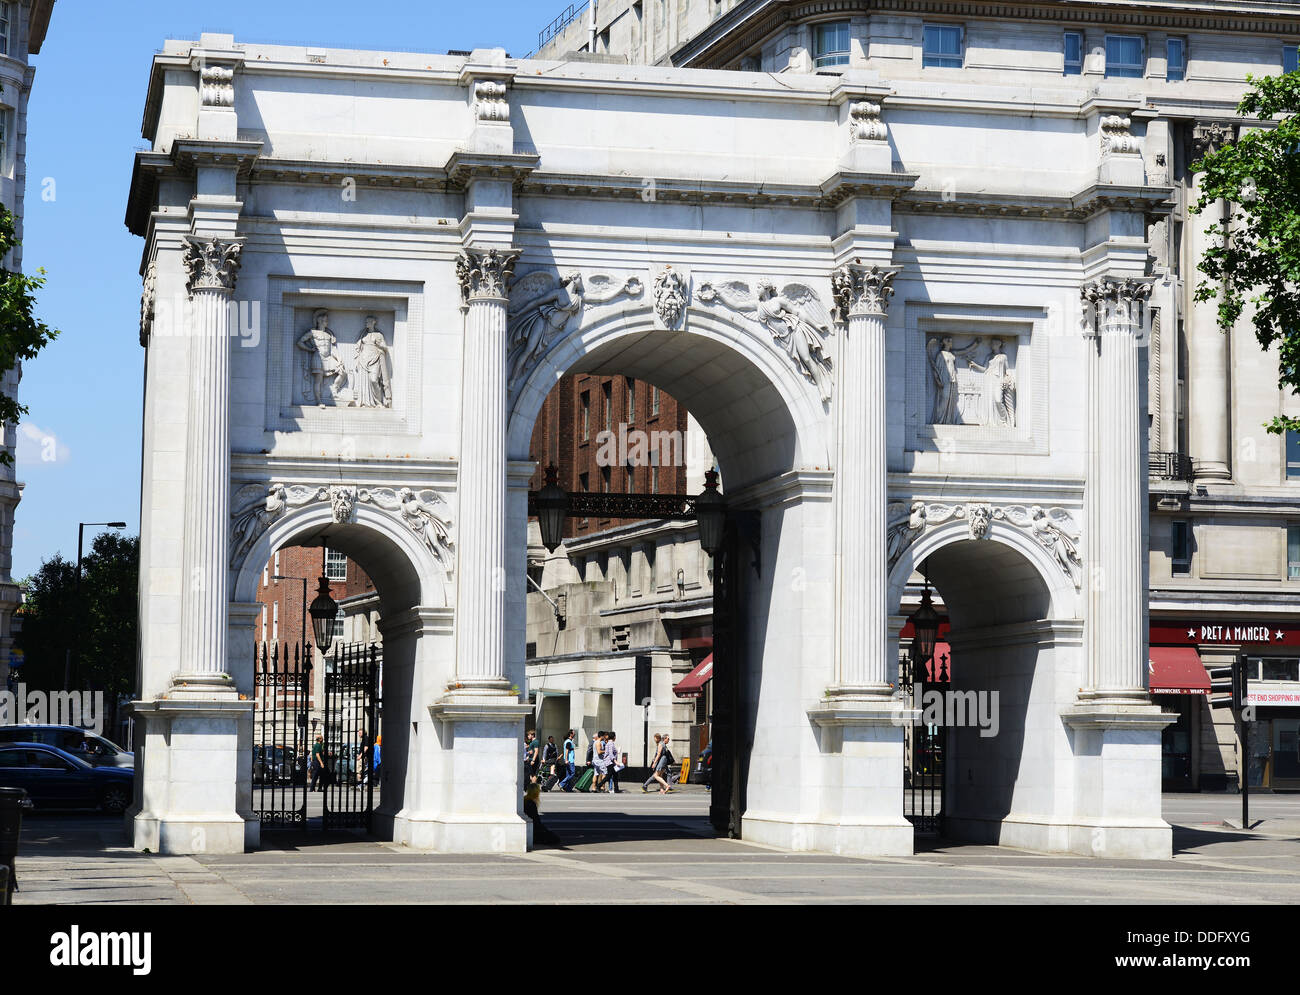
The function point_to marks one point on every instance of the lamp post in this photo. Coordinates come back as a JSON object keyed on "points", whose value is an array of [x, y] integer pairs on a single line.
{"points": [[925, 629], [69, 662]]}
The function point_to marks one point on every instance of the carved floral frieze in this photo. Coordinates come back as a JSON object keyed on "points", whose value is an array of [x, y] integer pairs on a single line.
{"points": [[1052, 528], [258, 506]]}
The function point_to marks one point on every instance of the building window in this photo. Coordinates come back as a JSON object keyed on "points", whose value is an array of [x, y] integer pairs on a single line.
{"points": [[630, 384], [941, 46], [264, 623], [1293, 456], [586, 415], [277, 565], [654, 472], [1124, 56], [1176, 57], [1073, 53], [631, 477], [275, 622], [1293, 552], [584, 482], [266, 576], [336, 629], [831, 44], [336, 565], [604, 479], [654, 400], [6, 19], [1272, 668], [1181, 547], [1290, 58], [607, 389]]}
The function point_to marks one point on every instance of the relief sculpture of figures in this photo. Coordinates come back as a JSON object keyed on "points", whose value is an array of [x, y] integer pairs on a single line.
{"points": [[999, 387], [1055, 533], [943, 368], [374, 384], [795, 317], [321, 360], [978, 394], [545, 312]]}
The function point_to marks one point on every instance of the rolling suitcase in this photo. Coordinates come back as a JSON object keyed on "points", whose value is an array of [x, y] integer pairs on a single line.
{"points": [[584, 783], [549, 783]]}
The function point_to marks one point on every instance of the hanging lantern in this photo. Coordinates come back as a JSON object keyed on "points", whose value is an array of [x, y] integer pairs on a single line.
{"points": [[323, 611], [925, 629], [552, 508], [711, 512]]}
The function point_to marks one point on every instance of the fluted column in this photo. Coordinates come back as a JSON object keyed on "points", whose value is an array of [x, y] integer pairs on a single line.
{"points": [[1207, 346], [481, 598], [862, 294], [1116, 490], [212, 264]]}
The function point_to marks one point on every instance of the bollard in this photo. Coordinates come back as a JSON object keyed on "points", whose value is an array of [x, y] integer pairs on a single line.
{"points": [[12, 801]]}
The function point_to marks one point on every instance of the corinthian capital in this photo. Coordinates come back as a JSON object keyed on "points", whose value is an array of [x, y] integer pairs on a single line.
{"points": [[1113, 306], [1207, 138], [863, 289], [212, 264], [485, 275]]}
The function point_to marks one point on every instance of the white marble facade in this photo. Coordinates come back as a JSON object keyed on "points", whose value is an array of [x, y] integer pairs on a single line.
{"points": [[820, 260]]}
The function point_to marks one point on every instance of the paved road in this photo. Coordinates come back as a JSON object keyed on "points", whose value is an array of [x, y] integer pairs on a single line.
{"points": [[638, 848]]}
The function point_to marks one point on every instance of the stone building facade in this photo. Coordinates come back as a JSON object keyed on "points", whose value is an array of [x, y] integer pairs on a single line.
{"points": [[22, 33], [1225, 494]]}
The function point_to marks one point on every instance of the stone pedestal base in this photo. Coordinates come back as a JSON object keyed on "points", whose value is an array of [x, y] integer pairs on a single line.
{"points": [[860, 804], [194, 776], [1117, 781], [480, 801]]}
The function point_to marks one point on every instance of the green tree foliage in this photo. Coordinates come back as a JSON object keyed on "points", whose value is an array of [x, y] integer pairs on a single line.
{"points": [[22, 335], [1259, 264], [99, 627]]}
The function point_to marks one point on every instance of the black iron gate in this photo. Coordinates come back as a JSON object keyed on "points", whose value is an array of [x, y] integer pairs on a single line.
{"points": [[351, 723], [925, 747], [281, 741]]}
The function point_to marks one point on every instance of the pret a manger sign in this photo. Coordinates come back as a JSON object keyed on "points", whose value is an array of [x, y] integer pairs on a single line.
{"points": [[1268, 633]]}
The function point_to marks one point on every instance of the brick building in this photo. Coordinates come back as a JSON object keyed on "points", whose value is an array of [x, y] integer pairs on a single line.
{"points": [[588, 418]]}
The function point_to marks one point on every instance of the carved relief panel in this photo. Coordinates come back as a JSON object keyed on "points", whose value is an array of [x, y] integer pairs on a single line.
{"points": [[976, 378]]}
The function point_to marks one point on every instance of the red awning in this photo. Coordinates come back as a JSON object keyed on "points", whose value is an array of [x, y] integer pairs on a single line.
{"points": [[692, 685], [1178, 670]]}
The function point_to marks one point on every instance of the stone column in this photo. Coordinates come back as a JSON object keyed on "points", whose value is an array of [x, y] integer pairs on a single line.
{"points": [[1207, 346], [1116, 490], [862, 294], [212, 265], [481, 598]]}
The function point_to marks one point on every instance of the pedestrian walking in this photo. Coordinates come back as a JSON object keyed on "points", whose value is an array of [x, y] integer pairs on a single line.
{"points": [[612, 766], [318, 772], [570, 762], [550, 758], [379, 742], [658, 765], [599, 761], [531, 756]]}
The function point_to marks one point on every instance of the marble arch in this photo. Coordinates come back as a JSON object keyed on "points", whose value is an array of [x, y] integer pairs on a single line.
{"points": [[372, 254]]}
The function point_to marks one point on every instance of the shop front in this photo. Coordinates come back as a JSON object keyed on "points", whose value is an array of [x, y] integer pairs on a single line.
{"points": [[1191, 676]]}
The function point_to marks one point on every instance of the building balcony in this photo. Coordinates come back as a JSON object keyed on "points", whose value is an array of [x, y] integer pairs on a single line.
{"points": [[1170, 466]]}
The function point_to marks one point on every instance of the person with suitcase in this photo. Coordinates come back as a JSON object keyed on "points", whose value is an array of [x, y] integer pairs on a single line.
{"points": [[570, 762]]}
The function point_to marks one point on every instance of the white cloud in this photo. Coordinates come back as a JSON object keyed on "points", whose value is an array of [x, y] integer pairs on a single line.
{"points": [[37, 446]]}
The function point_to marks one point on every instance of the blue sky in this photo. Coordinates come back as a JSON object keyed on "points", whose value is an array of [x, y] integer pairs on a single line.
{"points": [[84, 391]]}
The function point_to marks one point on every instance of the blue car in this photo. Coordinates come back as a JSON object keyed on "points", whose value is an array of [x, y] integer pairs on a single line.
{"points": [[53, 778]]}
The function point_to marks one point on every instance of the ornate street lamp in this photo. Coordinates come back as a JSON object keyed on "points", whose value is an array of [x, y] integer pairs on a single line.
{"points": [[711, 512], [552, 507], [925, 629], [324, 610]]}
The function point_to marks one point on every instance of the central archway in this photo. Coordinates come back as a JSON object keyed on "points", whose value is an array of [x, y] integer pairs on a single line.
{"points": [[770, 433]]}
